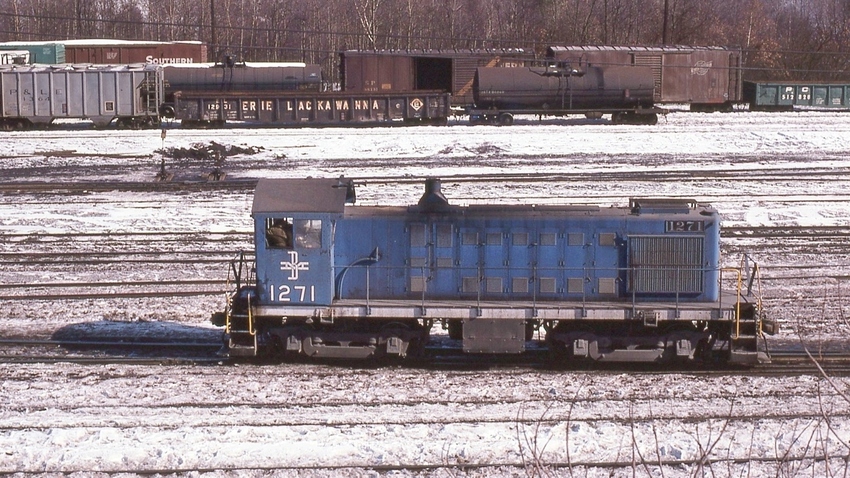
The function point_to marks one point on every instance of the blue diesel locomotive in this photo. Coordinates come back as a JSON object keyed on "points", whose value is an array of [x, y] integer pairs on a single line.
{"points": [[641, 283]]}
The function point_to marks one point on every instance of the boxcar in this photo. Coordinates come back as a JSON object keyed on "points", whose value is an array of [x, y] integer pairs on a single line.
{"points": [[111, 52], [450, 71], [124, 52], [35, 95], [706, 78], [47, 53]]}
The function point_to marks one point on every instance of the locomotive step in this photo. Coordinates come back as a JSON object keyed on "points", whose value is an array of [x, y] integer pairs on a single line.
{"points": [[242, 345], [748, 357]]}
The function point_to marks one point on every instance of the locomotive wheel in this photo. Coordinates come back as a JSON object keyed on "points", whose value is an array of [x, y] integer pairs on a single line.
{"points": [[456, 329]]}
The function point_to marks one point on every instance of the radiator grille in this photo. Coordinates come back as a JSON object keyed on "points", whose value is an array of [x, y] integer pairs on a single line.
{"points": [[666, 265]]}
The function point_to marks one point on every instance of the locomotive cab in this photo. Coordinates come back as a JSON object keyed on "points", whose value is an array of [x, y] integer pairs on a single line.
{"points": [[293, 247]]}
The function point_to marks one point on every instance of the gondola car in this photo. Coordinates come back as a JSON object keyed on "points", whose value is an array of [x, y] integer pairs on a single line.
{"points": [[632, 284]]}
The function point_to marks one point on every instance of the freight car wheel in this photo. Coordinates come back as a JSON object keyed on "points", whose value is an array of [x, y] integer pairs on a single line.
{"points": [[506, 119], [650, 119], [15, 125]]}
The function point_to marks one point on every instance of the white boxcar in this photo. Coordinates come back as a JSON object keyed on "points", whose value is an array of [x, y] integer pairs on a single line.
{"points": [[35, 95]]}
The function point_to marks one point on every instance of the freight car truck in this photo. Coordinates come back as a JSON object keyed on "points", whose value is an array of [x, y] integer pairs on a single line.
{"points": [[626, 93]]}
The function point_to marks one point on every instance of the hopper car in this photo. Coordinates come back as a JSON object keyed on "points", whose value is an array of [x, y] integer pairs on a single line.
{"points": [[36, 95]]}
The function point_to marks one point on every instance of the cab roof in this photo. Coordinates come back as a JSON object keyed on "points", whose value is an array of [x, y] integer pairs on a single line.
{"points": [[300, 195]]}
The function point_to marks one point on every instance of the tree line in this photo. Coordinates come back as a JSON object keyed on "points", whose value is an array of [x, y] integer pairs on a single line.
{"points": [[781, 39]]}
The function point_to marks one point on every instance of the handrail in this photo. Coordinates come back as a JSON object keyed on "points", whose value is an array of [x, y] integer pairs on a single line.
{"points": [[251, 330], [740, 282], [755, 275], [239, 266]]}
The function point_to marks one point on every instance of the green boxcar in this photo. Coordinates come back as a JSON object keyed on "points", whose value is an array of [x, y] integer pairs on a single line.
{"points": [[45, 53]]}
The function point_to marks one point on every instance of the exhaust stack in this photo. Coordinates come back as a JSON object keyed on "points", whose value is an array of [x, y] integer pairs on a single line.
{"points": [[433, 200]]}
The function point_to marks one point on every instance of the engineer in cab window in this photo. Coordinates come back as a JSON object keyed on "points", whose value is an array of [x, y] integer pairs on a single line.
{"points": [[279, 233]]}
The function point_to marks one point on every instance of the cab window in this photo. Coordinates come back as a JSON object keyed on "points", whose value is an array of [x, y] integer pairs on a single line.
{"points": [[308, 233], [279, 233]]}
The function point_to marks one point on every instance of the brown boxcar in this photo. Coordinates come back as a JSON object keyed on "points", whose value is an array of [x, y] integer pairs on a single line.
{"points": [[422, 70], [706, 78], [119, 52]]}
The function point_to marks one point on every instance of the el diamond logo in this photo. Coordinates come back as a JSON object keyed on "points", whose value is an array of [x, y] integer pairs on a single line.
{"points": [[293, 266]]}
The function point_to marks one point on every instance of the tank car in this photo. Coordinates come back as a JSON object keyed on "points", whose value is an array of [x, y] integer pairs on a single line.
{"points": [[35, 95], [641, 283], [242, 77], [625, 92]]}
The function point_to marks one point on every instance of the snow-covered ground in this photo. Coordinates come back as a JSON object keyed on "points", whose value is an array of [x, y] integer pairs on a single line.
{"points": [[757, 169]]}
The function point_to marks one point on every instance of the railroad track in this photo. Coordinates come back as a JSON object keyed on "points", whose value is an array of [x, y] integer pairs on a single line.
{"points": [[530, 467], [785, 232], [34, 187], [106, 352], [746, 175], [438, 358]]}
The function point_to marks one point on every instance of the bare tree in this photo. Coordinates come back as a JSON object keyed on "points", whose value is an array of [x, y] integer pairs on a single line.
{"points": [[369, 20]]}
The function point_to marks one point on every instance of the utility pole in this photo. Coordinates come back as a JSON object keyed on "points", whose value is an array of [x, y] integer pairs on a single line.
{"points": [[212, 29], [664, 23]]}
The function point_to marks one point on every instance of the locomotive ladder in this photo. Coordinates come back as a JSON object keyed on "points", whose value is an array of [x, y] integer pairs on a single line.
{"points": [[746, 328], [241, 333], [240, 327]]}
